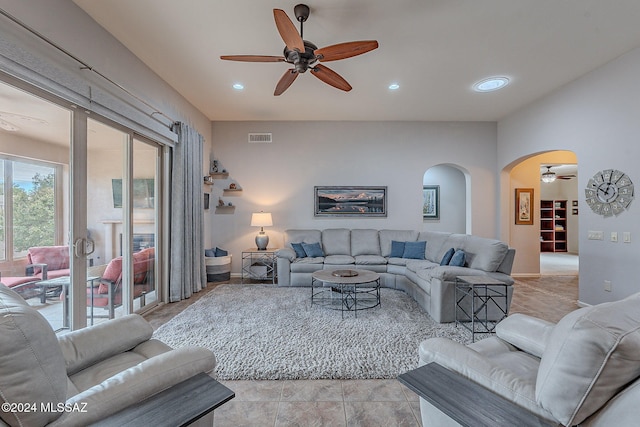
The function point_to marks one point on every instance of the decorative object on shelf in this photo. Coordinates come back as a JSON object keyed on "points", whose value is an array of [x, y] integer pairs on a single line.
{"points": [[206, 201], [431, 202], [350, 201], [220, 201], [261, 219], [524, 206], [208, 180], [609, 192], [233, 186], [213, 168]]}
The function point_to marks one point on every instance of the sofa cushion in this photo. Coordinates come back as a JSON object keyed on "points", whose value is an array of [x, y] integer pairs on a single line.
{"points": [[423, 264], [484, 254], [436, 246], [365, 242], [32, 367], [299, 250], [387, 236], [308, 236], [397, 249], [339, 260], [591, 354], [398, 261], [336, 241], [371, 260], [313, 249], [414, 250], [446, 258], [458, 258]]}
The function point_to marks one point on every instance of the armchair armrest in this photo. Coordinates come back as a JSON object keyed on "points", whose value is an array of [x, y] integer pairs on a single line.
{"points": [[137, 383], [87, 346], [527, 333], [30, 270]]}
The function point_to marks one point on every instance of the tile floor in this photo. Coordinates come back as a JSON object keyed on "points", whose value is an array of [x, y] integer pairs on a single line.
{"points": [[366, 403]]}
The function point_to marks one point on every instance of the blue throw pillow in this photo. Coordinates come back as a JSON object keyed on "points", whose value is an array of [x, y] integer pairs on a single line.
{"points": [[297, 247], [457, 259], [397, 249], [446, 259], [313, 249], [414, 250], [209, 253], [221, 252]]}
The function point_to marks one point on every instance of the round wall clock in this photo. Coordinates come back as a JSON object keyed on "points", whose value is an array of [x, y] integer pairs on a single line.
{"points": [[609, 192]]}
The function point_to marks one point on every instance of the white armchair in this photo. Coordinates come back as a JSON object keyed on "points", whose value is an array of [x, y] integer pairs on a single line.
{"points": [[584, 370], [90, 374]]}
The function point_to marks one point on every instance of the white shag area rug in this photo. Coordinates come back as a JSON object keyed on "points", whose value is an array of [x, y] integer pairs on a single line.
{"points": [[265, 332]]}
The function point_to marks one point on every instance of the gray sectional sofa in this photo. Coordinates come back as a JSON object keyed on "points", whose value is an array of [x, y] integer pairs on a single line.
{"points": [[429, 283]]}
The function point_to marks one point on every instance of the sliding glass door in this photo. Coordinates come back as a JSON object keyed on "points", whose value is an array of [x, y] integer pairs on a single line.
{"points": [[79, 194]]}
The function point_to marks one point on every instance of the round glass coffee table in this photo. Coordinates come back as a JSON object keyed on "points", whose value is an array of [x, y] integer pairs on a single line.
{"points": [[345, 290]]}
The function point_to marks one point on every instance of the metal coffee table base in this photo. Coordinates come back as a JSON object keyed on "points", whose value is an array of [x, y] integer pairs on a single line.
{"points": [[343, 293]]}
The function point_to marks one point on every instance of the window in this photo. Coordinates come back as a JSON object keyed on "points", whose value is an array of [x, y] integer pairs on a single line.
{"points": [[28, 215]]}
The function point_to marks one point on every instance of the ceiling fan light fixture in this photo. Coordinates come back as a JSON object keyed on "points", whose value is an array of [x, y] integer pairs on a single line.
{"points": [[491, 84], [548, 176]]}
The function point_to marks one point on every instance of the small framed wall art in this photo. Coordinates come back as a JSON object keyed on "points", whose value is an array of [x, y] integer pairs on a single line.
{"points": [[431, 202], [524, 206]]}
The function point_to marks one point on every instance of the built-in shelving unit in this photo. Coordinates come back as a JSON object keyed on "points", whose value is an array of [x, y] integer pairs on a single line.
{"points": [[553, 226], [231, 190]]}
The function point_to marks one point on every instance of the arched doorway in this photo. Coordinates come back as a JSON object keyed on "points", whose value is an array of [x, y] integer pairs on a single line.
{"points": [[548, 246], [452, 184]]}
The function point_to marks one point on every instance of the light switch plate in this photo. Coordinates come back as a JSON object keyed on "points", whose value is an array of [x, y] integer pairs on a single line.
{"points": [[626, 236], [614, 236], [595, 235]]}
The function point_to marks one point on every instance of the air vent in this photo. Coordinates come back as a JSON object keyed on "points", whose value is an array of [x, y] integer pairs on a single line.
{"points": [[260, 138]]}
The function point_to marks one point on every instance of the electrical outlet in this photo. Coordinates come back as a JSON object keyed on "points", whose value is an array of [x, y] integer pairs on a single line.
{"points": [[607, 285], [614, 236], [626, 236]]}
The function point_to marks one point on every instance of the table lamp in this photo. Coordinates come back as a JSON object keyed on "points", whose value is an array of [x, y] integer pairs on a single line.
{"points": [[261, 219]]}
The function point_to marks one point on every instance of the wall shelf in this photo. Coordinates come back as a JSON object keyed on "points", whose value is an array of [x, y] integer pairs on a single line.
{"points": [[225, 209], [232, 191], [219, 175], [553, 226]]}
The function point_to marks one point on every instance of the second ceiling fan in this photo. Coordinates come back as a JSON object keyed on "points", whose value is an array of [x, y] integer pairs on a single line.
{"points": [[304, 55]]}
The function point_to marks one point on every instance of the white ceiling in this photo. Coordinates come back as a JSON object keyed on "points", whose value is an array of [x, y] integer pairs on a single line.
{"points": [[435, 49]]}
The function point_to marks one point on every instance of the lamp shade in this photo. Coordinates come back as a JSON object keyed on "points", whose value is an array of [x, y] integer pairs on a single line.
{"points": [[261, 219]]}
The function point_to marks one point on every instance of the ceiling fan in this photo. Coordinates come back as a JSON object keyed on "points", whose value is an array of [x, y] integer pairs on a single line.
{"points": [[304, 55], [550, 176]]}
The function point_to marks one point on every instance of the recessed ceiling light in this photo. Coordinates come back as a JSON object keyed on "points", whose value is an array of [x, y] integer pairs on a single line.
{"points": [[394, 86], [238, 86], [491, 84]]}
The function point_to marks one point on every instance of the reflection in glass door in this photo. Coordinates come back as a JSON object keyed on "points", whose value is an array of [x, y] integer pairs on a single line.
{"points": [[35, 142], [146, 165]]}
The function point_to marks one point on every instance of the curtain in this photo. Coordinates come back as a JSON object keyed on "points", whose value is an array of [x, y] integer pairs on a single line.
{"points": [[186, 264]]}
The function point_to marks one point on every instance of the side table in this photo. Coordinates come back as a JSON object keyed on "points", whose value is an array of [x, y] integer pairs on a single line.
{"points": [[489, 303], [259, 264]]}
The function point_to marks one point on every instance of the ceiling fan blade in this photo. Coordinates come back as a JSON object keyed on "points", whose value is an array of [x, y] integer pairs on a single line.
{"points": [[288, 31], [345, 50], [285, 81], [253, 58], [330, 77]]}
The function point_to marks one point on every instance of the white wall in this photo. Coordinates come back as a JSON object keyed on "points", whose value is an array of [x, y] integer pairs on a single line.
{"points": [[596, 117], [279, 177], [453, 206]]}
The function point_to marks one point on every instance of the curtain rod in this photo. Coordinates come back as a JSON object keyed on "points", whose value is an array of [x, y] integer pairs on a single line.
{"points": [[86, 66]]}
